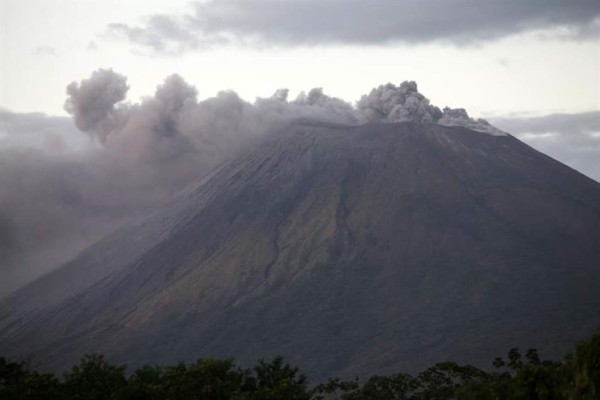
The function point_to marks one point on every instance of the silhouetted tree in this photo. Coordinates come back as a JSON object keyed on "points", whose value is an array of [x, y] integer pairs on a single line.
{"points": [[146, 383], [277, 380], [583, 370], [17, 382], [95, 379], [205, 379], [519, 377]]}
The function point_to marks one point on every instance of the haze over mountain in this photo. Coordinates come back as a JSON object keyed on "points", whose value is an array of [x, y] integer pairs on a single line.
{"points": [[365, 248], [60, 192]]}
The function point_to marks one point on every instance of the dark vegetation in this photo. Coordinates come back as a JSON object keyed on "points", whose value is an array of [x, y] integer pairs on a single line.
{"points": [[517, 376]]}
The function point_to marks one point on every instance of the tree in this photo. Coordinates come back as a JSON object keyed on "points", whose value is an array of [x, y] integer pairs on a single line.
{"points": [[205, 379], [333, 388], [277, 380], [520, 377], [583, 368], [443, 380], [94, 379], [17, 382], [146, 383]]}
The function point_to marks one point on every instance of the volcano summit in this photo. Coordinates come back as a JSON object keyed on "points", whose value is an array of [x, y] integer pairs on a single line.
{"points": [[348, 249]]}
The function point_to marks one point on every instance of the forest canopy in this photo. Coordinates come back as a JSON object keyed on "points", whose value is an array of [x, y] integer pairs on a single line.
{"points": [[516, 376]]}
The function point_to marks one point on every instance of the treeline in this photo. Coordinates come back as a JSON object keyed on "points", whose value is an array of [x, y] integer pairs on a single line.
{"points": [[518, 376]]}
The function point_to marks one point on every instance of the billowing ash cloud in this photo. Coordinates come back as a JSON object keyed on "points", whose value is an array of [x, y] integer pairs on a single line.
{"points": [[459, 117], [92, 102], [60, 189], [173, 122], [398, 103], [390, 103]]}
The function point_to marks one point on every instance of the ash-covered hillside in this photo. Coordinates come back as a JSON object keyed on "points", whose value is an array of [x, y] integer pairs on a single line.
{"points": [[62, 189], [349, 249]]}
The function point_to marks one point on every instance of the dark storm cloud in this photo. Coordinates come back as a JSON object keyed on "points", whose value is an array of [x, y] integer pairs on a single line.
{"points": [[318, 22], [573, 139]]}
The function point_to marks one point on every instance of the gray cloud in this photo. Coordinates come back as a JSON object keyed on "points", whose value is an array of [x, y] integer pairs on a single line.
{"points": [[573, 139], [564, 124], [161, 33], [317, 22]]}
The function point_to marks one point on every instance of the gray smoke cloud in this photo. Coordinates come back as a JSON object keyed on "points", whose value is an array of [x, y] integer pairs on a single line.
{"points": [[61, 189], [391, 103], [173, 123], [398, 103], [92, 102]]}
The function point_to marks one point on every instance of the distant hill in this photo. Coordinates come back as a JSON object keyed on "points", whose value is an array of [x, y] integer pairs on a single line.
{"points": [[347, 249]]}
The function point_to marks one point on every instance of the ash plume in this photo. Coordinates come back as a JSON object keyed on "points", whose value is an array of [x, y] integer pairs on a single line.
{"points": [[390, 103], [398, 103], [59, 192], [92, 102]]}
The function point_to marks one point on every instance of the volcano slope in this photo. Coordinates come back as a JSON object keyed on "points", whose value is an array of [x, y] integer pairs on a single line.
{"points": [[349, 250]]}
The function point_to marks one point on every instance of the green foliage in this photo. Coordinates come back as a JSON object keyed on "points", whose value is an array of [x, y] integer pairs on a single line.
{"points": [[518, 377], [146, 383], [395, 387], [95, 379], [17, 382], [279, 381], [583, 369], [531, 379], [333, 389], [204, 379]]}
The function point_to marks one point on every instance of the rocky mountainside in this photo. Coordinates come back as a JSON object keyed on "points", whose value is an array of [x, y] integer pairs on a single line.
{"points": [[347, 249]]}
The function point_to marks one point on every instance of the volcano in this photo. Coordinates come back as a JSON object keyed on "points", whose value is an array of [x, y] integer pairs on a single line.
{"points": [[349, 250]]}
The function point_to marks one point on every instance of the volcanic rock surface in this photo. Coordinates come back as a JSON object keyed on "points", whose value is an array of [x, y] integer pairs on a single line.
{"points": [[347, 249]]}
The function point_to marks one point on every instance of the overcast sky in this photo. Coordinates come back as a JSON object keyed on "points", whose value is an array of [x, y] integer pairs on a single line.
{"points": [[530, 67], [499, 59], [490, 57]]}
